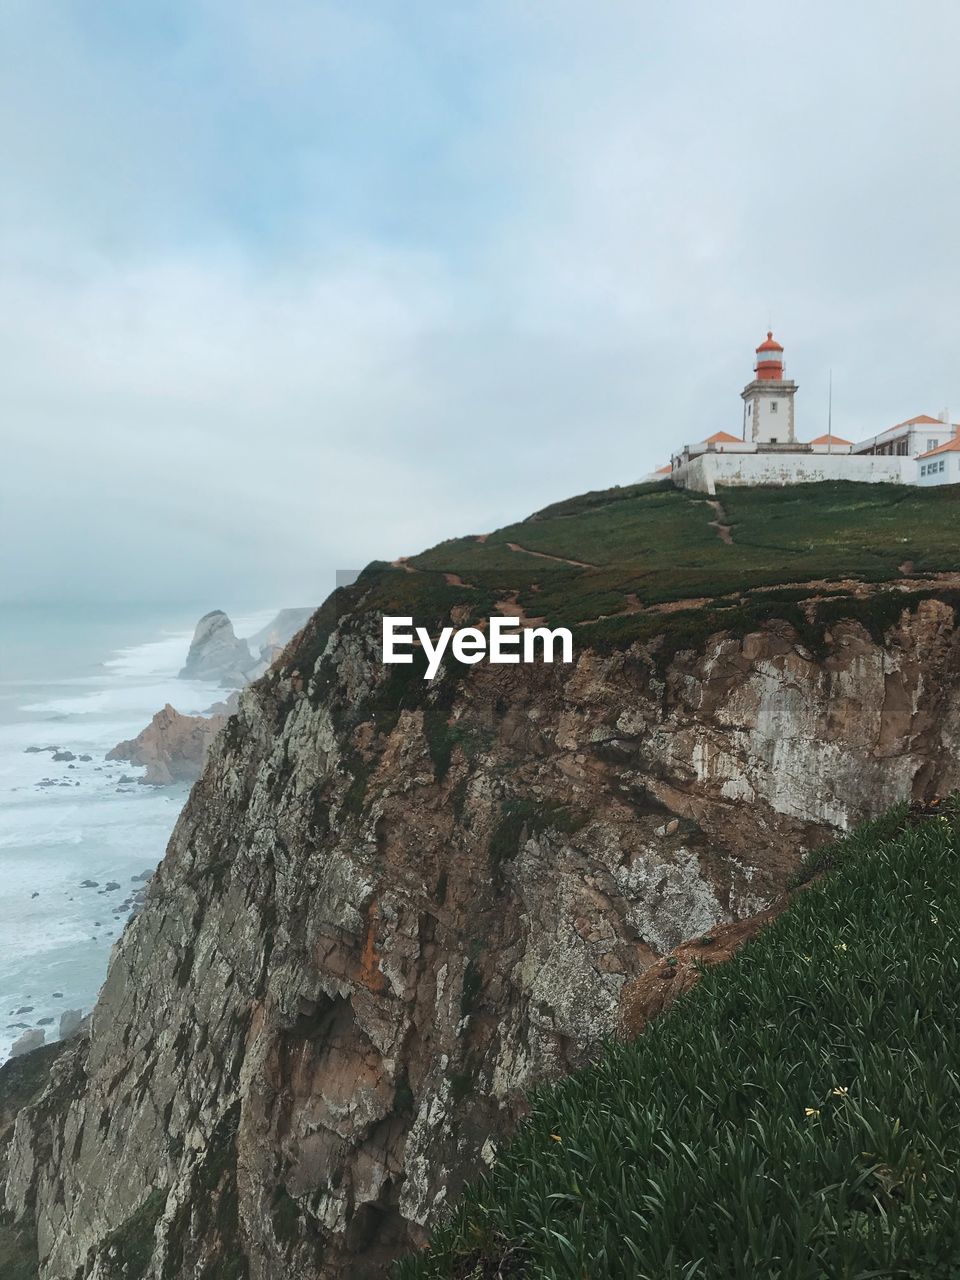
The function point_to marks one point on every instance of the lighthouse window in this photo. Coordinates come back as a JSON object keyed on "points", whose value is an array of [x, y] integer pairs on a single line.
{"points": [[773, 406]]}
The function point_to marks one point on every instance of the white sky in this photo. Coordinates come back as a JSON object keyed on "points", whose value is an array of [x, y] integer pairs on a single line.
{"points": [[286, 288]]}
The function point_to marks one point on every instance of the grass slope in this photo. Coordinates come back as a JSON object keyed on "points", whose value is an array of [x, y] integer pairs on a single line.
{"points": [[646, 546], [795, 1117]]}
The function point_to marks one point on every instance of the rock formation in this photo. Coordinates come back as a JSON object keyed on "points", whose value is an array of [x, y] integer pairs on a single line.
{"points": [[278, 633], [216, 653], [173, 747], [70, 1023], [29, 1041], [391, 907]]}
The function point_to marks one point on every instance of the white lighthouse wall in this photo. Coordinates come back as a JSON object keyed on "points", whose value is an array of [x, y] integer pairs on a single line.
{"points": [[773, 425], [708, 470]]}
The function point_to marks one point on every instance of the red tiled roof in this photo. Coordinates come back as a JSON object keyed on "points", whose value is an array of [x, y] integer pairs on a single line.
{"points": [[663, 471], [952, 446], [722, 437], [829, 439]]}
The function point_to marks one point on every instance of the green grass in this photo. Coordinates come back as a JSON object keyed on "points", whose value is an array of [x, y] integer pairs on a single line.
{"points": [[795, 1117], [657, 541], [650, 545], [653, 545]]}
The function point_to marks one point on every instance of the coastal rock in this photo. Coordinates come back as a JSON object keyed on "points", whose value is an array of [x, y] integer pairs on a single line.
{"points": [[226, 707], [172, 748], [61, 756], [70, 1022], [391, 908], [29, 1041], [216, 653], [276, 635]]}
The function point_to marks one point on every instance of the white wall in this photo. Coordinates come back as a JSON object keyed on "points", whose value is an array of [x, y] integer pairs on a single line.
{"points": [[705, 472], [767, 424]]}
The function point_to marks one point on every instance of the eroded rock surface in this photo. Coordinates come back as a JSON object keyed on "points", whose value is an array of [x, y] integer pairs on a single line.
{"points": [[391, 908]]}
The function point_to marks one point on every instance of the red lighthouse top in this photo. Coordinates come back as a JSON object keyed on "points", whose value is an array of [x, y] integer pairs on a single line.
{"points": [[769, 364]]}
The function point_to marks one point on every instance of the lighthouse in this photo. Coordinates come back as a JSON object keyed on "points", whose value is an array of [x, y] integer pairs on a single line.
{"points": [[768, 398]]}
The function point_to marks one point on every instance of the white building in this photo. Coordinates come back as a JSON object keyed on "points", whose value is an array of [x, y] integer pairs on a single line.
{"points": [[940, 465], [908, 439], [768, 452]]}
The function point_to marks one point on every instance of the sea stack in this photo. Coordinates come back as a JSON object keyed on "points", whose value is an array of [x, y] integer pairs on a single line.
{"points": [[217, 653]]}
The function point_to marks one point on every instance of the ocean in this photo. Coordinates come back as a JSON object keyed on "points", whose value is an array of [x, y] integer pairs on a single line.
{"points": [[80, 679]]}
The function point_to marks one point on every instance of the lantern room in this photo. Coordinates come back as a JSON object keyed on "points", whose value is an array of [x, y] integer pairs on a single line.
{"points": [[769, 365]]}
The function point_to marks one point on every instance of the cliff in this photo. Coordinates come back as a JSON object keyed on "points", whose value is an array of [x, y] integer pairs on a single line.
{"points": [[391, 907]]}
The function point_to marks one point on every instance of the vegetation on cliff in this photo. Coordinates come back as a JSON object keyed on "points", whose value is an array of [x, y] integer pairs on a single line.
{"points": [[648, 561], [796, 1116]]}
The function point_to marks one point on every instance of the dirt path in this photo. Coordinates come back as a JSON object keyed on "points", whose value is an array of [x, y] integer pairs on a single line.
{"points": [[820, 589], [508, 607], [542, 555], [723, 529]]}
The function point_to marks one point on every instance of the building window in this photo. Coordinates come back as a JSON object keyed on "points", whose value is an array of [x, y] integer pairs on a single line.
{"points": [[773, 406], [931, 444], [923, 471], [941, 466]]}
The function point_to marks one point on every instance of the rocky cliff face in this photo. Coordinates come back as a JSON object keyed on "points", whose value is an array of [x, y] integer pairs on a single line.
{"points": [[390, 908]]}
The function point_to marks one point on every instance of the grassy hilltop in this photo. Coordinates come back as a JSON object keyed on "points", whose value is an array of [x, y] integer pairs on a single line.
{"points": [[655, 562], [795, 1117]]}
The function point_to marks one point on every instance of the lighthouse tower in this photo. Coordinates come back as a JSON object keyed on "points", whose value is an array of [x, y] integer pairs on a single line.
{"points": [[768, 399]]}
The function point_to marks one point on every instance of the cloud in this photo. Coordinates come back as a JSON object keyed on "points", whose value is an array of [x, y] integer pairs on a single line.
{"points": [[283, 293]]}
